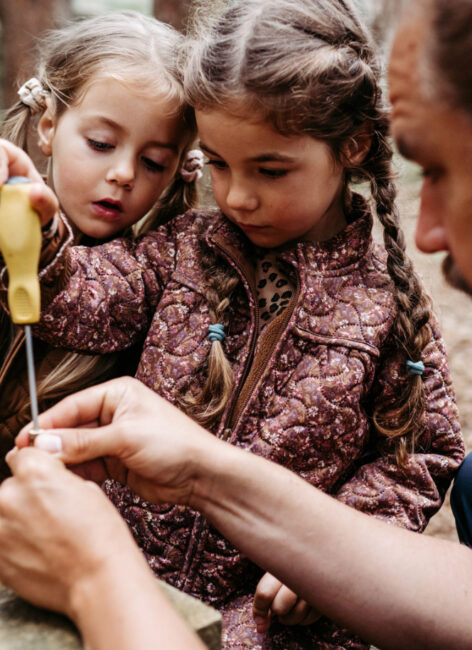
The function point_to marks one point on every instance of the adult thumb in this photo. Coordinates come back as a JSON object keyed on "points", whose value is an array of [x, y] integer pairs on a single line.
{"points": [[74, 446]]}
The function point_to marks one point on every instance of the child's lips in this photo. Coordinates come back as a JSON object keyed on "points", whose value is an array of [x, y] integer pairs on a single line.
{"points": [[108, 209], [250, 227]]}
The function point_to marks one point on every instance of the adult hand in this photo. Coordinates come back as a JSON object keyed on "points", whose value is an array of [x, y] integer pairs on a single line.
{"points": [[15, 162], [138, 438], [52, 531]]}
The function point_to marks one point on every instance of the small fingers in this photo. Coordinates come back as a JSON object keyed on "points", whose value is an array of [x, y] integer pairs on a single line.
{"points": [[301, 614], [266, 591], [15, 162], [284, 602], [44, 201]]}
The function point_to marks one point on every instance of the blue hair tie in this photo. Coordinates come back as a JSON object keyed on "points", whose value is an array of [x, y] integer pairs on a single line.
{"points": [[415, 367], [216, 332]]}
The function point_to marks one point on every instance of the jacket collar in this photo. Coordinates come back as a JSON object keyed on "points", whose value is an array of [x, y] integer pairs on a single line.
{"points": [[345, 249]]}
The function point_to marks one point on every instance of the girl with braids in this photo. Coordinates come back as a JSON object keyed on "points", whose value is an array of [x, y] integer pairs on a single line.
{"points": [[275, 320], [107, 105]]}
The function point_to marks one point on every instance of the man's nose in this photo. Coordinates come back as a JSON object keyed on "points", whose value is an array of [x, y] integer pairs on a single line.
{"points": [[430, 234]]}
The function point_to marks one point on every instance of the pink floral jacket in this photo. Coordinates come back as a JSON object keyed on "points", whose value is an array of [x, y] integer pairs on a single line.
{"points": [[304, 388]]}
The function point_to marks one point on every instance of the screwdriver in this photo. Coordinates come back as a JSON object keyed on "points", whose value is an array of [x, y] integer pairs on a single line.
{"points": [[20, 245]]}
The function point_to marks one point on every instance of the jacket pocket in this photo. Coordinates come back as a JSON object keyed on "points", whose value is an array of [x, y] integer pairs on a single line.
{"points": [[324, 339]]}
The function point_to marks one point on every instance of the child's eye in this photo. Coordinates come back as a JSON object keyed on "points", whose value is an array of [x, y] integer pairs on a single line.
{"points": [[218, 164], [152, 165], [273, 173], [98, 145]]}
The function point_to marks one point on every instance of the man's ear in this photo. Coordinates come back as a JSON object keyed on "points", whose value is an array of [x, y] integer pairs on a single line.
{"points": [[357, 147], [46, 128]]}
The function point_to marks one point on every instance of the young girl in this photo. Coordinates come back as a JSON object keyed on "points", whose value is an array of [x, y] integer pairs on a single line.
{"points": [[107, 106], [276, 320]]}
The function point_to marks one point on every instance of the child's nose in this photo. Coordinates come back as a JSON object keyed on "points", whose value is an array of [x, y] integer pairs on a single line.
{"points": [[241, 196], [122, 172]]}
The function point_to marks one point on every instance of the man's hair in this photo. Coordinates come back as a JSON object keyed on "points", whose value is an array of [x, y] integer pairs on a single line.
{"points": [[450, 51]]}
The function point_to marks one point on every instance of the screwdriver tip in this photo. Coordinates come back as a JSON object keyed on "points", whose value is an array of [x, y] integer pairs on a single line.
{"points": [[33, 433]]}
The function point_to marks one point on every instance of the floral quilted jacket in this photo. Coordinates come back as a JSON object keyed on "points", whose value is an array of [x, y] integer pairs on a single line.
{"points": [[304, 388]]}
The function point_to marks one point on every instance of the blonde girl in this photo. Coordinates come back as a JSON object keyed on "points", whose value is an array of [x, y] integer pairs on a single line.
{"points": [[276, 320], [106, 106]]}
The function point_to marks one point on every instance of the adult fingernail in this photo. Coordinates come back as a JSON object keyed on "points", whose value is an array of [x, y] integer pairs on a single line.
{"points": [[48, 442]]}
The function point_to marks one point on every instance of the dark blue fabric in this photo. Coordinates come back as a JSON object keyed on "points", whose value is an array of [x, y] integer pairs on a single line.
{"points": [[461, 501]]}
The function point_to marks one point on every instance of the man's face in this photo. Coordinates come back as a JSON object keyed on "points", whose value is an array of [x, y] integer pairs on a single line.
{"points": [[439, 139]]}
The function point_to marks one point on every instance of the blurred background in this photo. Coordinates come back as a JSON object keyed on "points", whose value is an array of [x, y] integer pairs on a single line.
{"points": [[21, 23]]}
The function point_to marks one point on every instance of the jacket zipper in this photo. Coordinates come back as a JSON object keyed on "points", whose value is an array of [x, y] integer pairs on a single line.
{"points": [[225, 434], [255, 379]]}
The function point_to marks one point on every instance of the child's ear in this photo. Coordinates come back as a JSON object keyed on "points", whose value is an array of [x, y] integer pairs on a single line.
{"points": [[46, 128], [356, 148]]}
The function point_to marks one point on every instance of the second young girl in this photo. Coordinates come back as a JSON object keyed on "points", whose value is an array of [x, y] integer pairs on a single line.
{"points": [[108, 108], [277, 321]]}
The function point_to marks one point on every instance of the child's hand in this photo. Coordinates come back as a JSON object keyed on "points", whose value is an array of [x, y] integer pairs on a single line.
{"points": [[15, 162], [272, 598]]}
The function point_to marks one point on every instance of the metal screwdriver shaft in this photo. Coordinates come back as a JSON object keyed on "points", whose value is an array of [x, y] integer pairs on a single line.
{"points": [[20, 245], [31, 380]]}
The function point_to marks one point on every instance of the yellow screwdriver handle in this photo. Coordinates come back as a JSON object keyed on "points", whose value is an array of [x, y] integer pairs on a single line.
{"points": [[20, 245]]}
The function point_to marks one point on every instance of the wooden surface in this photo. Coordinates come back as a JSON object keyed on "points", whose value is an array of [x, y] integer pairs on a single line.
{"points": [[25, 627]]}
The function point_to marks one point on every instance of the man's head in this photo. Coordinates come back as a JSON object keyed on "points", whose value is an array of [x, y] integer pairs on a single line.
{"points": [[431, 92]]}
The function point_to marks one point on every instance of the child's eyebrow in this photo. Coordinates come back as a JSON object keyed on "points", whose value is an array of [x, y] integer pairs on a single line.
{"points": [[203, 146], [266, 157], [274, 157]]}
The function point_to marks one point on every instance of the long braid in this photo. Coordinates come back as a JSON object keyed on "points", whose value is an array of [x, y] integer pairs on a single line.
{"points": [[410, 330], [221, 281]]}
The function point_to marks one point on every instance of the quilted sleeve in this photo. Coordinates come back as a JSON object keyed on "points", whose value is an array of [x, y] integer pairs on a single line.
{"points": [[409, 497], [102, 299]]}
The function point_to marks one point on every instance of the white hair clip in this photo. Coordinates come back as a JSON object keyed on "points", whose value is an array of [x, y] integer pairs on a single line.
{"points": [[192, 166], [33, 95]]}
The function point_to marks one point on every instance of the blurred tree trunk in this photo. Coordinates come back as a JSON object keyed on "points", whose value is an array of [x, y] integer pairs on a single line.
{"points": [[173, 12], [22, 23]]}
